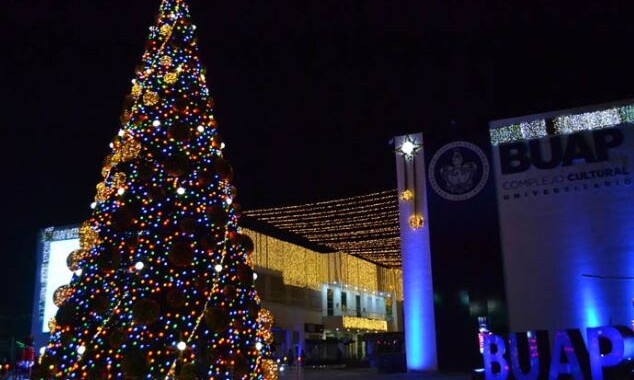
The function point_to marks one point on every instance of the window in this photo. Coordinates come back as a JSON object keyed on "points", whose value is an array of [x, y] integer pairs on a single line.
{"points": [[277, 288], [329, 303], [344, 302]]}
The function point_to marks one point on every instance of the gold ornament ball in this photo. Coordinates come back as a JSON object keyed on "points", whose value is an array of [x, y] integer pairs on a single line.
{"points": [[61, 295], [52, 323], [165, 29], [416, 222], [102, 192], [116, 158], [269, 369], [136, 90], [105, 171], [266, 318], [407, 195], [165, 60], [87, 236], [74, 258], [150, 98], [119, 180], [130, 149], [171, 78]]}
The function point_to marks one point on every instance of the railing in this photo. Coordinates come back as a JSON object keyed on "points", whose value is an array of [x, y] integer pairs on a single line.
{"points": [[361, 314]]}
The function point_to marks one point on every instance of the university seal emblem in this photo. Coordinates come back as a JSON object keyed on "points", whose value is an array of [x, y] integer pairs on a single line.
{"points": [[458, 171]]}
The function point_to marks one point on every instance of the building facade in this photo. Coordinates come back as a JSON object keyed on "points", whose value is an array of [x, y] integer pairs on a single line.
{"points": [[524, 223], [324, 303]]}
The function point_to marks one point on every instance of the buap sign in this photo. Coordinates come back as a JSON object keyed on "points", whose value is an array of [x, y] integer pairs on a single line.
{"points": [[528, 356]]}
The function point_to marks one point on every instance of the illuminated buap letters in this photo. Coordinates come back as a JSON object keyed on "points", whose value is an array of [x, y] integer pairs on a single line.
{"points": [[517, 157], [526, 356]]}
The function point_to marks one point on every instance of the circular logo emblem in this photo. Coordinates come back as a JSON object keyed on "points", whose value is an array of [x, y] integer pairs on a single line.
{"points": [[458, 171]]}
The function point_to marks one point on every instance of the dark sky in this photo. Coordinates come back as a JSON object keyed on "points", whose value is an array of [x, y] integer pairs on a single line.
{"points": [[308, 93]]}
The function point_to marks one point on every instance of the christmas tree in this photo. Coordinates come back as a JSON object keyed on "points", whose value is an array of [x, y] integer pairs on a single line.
{"points": [[163, 285]]}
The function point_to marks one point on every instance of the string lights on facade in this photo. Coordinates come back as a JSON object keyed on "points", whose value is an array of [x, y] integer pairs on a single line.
{"points": [[364, 226], [305, 268], [562, 125]]}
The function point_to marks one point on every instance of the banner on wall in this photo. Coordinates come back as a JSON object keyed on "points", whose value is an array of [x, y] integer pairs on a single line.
{"points": [[55, 244]]}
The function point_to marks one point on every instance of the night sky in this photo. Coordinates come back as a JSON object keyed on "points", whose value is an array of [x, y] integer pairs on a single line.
{"points": [[308, 94]]}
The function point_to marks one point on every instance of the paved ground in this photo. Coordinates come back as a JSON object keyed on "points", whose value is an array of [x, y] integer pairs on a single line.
{"points": [[362, 374]]}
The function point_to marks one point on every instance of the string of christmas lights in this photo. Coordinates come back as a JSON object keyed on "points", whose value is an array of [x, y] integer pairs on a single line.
{"points": [[366, 226], [303, 267], [563, 124]]}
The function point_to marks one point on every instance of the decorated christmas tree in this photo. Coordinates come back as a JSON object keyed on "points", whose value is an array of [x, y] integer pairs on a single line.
{"points": [[163, 285]]}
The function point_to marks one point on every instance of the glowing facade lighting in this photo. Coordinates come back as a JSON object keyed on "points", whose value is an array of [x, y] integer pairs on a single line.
{"points": [[371, 225], [562, 124], [364, 324]]}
